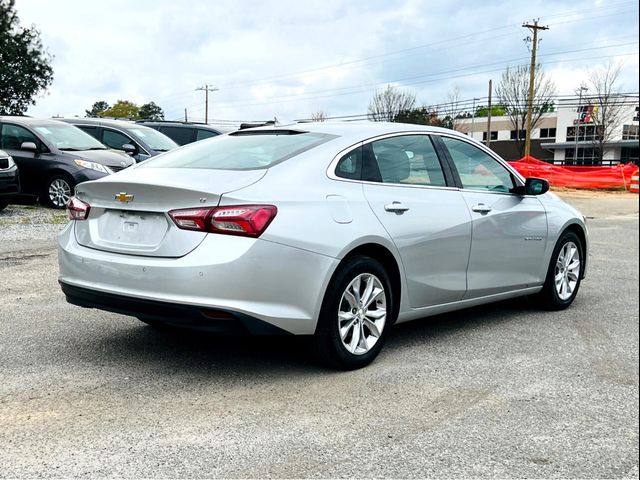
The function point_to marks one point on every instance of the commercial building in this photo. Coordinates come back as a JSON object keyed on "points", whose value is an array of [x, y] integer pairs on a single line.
{"points": [[554, 137]]}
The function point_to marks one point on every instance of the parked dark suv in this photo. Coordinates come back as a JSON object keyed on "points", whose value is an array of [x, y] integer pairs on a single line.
{"points": [[137, 140], [53, 157], [182, 132], [9, 179]]}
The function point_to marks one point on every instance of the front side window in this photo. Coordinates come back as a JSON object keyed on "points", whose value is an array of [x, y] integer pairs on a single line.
{"points": [[477, 169], [115, 140], [14, 136], [408, 159]]}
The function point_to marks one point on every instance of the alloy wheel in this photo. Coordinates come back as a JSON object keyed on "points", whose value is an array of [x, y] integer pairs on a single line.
{"points": [[567, 270], [59, 192], [362, 314]]}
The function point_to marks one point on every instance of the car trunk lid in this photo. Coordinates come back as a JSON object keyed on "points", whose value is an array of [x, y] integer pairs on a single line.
{"points": [[129, 209]]}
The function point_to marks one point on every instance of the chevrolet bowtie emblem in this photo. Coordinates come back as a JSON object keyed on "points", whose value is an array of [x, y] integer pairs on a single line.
{"points": [[124, 197]]}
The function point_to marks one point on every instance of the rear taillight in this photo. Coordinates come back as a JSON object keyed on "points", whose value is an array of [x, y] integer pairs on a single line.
{"points": [[77, 209], [245, 220]]}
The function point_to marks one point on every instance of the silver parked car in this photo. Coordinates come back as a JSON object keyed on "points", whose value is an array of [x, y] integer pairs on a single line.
{"points": [[332, 230]]}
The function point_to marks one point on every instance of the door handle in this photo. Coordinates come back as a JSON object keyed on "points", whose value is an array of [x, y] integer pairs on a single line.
{"points": [[481, 208], [396, 207]]}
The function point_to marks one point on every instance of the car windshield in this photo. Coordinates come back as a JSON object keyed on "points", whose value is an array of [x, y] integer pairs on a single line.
{"points": [[68, 137], [153, 138], [240, 151]]}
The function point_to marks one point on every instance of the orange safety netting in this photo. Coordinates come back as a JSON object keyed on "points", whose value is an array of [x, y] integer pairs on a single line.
{"points": [[577, 177]]}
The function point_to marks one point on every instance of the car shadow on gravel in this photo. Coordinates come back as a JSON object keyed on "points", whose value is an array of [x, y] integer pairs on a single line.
{"points": [[138, 346]]}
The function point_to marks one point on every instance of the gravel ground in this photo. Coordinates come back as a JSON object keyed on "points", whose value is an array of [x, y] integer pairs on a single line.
{"points": [[500, 391]]}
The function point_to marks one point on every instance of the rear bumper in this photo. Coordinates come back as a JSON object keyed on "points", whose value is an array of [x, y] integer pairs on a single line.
{"points": [[216, 321], [273, 283]]}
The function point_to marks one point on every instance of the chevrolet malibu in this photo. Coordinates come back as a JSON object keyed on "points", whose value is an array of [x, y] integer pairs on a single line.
{"points": [[331, 230]]}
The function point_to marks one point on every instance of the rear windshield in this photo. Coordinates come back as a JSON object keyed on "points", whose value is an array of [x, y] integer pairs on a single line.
{"points": [[242, 151]]}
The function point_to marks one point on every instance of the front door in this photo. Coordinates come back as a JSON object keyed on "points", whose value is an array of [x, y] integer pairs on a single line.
{"points": [[509, 231], [428, 221], [29, 162]]}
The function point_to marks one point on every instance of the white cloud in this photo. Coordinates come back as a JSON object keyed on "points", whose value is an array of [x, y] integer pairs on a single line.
{"points": [[266, 56]]}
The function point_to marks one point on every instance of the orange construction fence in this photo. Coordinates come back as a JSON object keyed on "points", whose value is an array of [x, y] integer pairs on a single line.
{"points": [[617, 176]]}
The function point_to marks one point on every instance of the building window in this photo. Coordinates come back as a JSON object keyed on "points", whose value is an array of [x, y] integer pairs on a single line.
{"points": [[585, 132], [585, 157], [518, 134], [629, 154], [494, 136], [630, 132], [547, 133], [636, 117]]}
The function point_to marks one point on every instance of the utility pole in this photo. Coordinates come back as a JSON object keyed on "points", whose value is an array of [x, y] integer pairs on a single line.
{"points": [[473, 115], [489, 117], [185, 115], [532, 73], [207, 89]]}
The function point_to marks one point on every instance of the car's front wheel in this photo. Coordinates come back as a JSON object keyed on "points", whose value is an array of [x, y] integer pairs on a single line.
{"points": [[356, 314], [564, 273], [58, 189]]}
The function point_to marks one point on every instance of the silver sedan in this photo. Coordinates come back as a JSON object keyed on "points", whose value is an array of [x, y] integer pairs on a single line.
{"points": [[331, 230]]}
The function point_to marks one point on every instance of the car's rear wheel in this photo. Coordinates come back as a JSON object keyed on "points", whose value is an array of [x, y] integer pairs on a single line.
{"points": [[564, 274], [356, 314], [58, 190]]}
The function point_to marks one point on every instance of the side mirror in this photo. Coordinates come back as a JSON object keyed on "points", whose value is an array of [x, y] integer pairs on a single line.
{"points": [[29, 146], [536, 186], [129, 149]]}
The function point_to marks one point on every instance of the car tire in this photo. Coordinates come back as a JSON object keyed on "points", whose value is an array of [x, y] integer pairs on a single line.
{"points": [[57, 191], [564, 273], [350, 333], [3, 205]]}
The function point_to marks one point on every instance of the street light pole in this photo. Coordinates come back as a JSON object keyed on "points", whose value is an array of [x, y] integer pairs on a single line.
{"points": [[576, 130]]}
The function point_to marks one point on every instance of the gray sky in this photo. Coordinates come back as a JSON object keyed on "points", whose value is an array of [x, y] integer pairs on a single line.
{"points": [[292, 58]]}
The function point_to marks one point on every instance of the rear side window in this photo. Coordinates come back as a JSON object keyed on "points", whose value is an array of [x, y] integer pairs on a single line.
{"points": [[180, 135], [202, 134], [350, 165], [247, 151], [408, 159]]}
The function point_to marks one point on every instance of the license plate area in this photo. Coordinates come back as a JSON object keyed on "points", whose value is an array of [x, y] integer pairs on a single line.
{"points": [[131, 229]]}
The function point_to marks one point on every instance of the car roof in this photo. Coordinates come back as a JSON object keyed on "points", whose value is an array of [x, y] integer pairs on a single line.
{"points": [[29, 120], [355, 130], [176, 124]]}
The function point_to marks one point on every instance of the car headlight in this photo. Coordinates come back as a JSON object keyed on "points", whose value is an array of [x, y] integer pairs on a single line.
{"points": [[98, 167], [11, 162]]}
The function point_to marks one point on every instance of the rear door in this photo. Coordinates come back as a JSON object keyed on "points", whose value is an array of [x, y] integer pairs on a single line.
{"points": [[427, 220], [509, 231]]}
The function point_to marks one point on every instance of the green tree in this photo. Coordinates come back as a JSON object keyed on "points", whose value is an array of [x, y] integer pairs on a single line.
{"points": [[122, 109], [496, 111], [150, 111], [97, 108], [25, 66]]}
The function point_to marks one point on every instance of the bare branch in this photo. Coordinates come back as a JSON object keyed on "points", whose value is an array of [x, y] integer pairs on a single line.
{"points": [[386, 105]]}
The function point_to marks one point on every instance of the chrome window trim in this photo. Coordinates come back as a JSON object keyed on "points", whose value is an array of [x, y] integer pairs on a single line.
{"points": [[331, 170]]}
